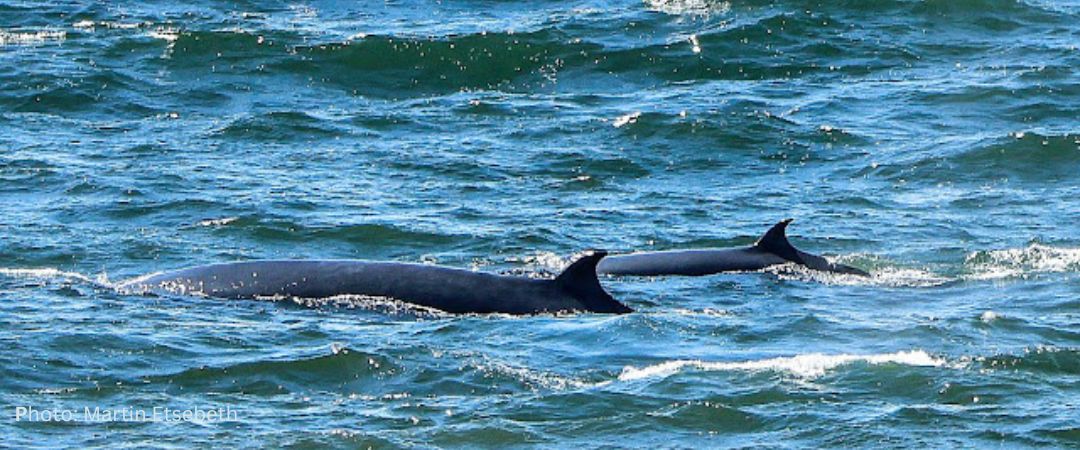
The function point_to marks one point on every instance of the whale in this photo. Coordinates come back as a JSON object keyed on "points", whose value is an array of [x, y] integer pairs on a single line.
{"points": [[452, 290], [771, 249]]}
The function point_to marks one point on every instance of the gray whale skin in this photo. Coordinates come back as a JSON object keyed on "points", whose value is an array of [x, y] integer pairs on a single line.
{"points": [[773, 248], [444, 288]]}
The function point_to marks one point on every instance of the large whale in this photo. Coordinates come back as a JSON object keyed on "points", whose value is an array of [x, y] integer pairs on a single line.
{"points": [[444, 288], [773, 248]]}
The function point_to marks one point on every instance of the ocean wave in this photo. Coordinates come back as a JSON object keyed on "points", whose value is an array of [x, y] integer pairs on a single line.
{"points": [[393, 65], [234, 51], [280, 126], [268, 229], [340, 366], [94, 93], [1024, 155], [1046, 359], [1021, 155], [531, 378], [811, 365], [132, 207], [537, 59], [27, 174], [982, 8], [397, 66]]}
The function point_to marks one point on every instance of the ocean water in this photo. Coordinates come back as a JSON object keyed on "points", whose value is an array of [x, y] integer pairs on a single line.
{"points": [[934, 143]]}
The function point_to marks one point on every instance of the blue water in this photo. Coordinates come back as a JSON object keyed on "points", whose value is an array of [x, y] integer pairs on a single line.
{"points": [[934, 143]]}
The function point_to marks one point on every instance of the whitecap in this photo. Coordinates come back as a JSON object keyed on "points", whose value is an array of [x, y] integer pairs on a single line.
{"points": [[626, 119], [547, 380], [706, 312], [167, 34], [805, 366], [689, 7], [1021, 262], [367, 302], [881, 276], [217, 222], [124, 25], [30, 37], [48, 273], [541, 262]]}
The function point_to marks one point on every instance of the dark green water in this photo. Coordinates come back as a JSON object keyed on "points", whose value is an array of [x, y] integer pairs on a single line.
{"points": [[935, 143]]}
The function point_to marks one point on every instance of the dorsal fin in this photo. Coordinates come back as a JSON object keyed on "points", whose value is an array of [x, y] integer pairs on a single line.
{"points": [[775, 241], [580, 281]]}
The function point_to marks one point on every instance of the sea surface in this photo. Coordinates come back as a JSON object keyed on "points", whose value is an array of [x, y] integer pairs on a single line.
{"points": [[934, 143]]}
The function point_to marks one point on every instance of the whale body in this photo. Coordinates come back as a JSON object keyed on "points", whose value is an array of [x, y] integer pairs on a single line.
{"points": [[444, 288], [773, 248]]}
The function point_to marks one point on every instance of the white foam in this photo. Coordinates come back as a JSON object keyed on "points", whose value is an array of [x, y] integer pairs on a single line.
{"points": [[689, 7], [124, 25], [707, 312], [906, 277], [217, 222], [805, 366], [883, 276], [981, 265], [167, 34], [538, 378], [90, 25], [48, 273], [626, 119], [1020, 262], [543, 262], [30, 37], [696, 48], [368, 302]]}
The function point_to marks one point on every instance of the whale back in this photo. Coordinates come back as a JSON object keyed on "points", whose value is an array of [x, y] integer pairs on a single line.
{"points": [[449, 289], [771, 249]]}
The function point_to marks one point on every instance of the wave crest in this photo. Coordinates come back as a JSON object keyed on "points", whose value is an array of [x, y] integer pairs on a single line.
{"points": [[49, 273], [1022, 262], [804, 366], [23, 37], [689, 7], [879, 276]]}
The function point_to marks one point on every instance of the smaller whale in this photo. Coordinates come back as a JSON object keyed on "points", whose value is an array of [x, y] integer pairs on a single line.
{"points": [[448, 289], [773, 248]]}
